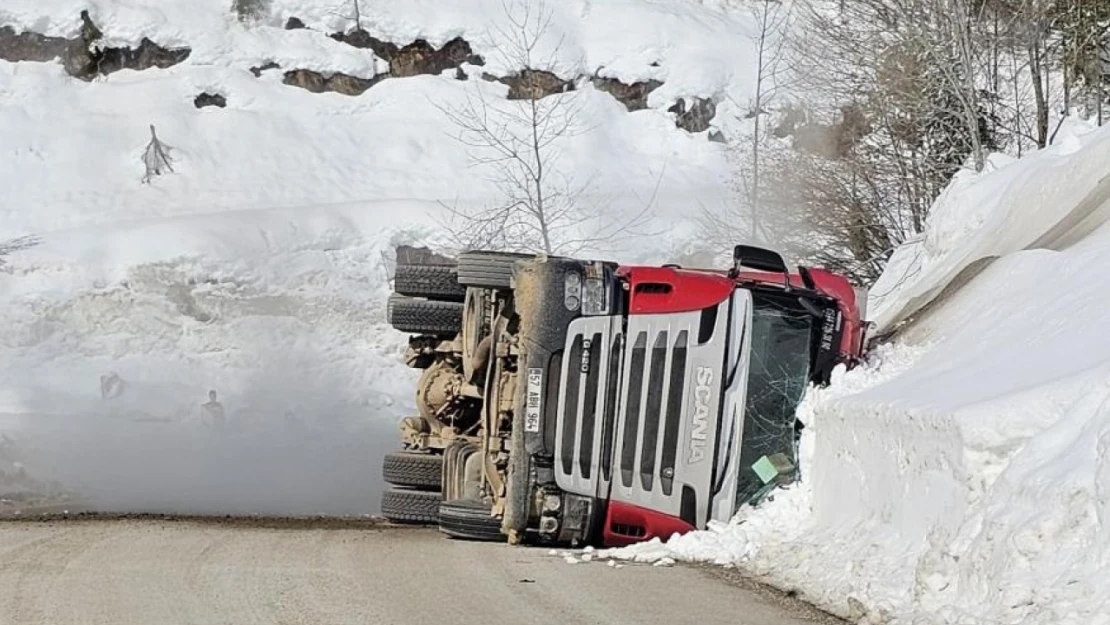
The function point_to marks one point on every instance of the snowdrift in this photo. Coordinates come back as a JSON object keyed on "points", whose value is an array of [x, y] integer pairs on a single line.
{"points": [[962, 477], [1050, 201]]}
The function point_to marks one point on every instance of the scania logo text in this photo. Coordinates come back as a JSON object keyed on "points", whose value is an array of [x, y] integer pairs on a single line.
{"points": [[699, 422]]}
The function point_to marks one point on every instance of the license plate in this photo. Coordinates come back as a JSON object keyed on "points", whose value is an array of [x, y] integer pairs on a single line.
{"points": [[535, 392]]}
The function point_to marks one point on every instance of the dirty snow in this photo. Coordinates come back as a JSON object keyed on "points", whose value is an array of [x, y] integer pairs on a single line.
{"points": [[962, 476]]}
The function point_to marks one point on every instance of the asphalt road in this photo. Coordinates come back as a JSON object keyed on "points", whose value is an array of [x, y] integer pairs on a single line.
{"points": [[170, 572]]}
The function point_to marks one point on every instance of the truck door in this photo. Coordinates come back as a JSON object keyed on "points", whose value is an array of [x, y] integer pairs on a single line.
{"points": [[667, 426]]}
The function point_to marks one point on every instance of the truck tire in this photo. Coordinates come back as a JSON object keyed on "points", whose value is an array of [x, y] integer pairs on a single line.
{"points": [[412, 469], [402, 505], [469, 519], [438, 282], [421, 316], [490, 270]]}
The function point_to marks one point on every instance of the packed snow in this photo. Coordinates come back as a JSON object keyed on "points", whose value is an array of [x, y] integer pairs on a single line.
{"points": [[961, 476], [259, 267]]}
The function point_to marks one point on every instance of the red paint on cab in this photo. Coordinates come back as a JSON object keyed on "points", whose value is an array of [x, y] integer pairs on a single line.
{"points": [[670, 290], [626, 524]]}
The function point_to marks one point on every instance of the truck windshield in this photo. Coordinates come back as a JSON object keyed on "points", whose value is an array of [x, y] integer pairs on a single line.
{"points": [[778, 374]]}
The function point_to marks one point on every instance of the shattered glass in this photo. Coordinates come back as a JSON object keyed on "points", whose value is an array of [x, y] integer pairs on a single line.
{"points": [[781, 336]]}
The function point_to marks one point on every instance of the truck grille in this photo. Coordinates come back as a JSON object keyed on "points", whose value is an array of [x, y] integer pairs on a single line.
{"points": [[578, 430], [624, 405], [587, 406], [665, 355]]}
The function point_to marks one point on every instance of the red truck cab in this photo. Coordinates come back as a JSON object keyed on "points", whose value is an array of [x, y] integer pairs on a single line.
{"points": [[622, 403]]}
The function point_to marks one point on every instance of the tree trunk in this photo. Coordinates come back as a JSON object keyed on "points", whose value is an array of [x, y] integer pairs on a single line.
{"points": [[1039, 93]]}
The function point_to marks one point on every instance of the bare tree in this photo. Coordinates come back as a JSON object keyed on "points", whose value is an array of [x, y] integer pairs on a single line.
{"points": [[355, 15], [897, 96], [521, 140], [358, 14], [958, 52], [772, 18], [896, 100], [1084, 41], [722, 227], [156, 157]]}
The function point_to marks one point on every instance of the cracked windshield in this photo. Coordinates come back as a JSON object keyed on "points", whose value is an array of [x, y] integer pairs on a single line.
{"points": [[781, 335]]}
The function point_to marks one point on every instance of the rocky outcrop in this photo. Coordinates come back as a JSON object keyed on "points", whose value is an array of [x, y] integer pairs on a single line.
{"points": [[416, 58], [534, 84], [29, 46], [695, 116], [209, 99], [81, 57], [318, 82], [257, 70], [146, 56], [362, 39], [633, 97], [420, 57]]}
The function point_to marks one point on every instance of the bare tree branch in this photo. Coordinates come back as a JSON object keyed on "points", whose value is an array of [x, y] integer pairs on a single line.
{"points": [[521, 143]]}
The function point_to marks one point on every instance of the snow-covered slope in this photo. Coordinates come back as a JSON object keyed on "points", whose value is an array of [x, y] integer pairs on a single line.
{"points": [[962, 477], [258, 268]]}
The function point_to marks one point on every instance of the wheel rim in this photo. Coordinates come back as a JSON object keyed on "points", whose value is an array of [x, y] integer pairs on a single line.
{"points": [[473, 329]]}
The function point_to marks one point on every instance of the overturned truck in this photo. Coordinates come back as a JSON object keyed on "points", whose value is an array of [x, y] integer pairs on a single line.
{"points": [[573, 402]]}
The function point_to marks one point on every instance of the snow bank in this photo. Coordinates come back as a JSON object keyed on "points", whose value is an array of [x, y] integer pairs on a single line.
{"points": [[1050, 201], [967, 481]]}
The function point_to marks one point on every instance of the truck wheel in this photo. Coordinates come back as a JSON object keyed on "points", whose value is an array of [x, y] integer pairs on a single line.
{"points": [[439, 282], [491, 270], [474, 330], [413, 469], [470, 520], [402, 505], [421, 316]]}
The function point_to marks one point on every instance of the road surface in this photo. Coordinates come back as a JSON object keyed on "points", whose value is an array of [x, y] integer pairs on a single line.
{"points": [[170, 572]]}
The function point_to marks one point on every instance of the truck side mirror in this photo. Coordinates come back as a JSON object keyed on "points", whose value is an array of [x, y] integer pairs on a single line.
{"points": [[760, 259]]}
